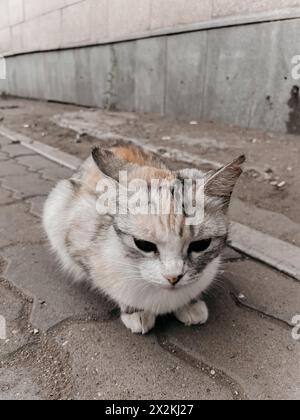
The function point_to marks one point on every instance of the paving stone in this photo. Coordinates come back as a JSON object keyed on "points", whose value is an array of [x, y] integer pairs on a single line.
{"points": [[4, 141], [46, 167], [11, 168], [36, 162], [14, 150], [18, 226], [5, 196], [14, 308], [264, 289], [266, 221], [39, 371], [35, 271], [108, 362], [17, 384], [37, 205], [27, 185], [280, 255], [56, 173], [256, 352], [3, 156]]}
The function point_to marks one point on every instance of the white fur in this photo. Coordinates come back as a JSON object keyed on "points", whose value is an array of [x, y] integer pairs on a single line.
{"points": [[193, 314], [139, 322]]}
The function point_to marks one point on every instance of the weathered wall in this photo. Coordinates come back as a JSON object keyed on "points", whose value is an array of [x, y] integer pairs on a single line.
{"points": [[236, 70], [31, 25], [237, 75]]}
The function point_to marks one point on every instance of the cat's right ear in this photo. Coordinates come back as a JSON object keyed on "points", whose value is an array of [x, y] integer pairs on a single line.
{"points": [[222, 182], [108, 163]]}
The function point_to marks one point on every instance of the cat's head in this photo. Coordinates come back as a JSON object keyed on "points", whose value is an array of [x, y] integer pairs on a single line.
{"points": [[166, 249]]}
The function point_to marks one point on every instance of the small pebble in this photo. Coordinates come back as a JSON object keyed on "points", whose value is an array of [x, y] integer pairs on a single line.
{"points": [[281, 184]]}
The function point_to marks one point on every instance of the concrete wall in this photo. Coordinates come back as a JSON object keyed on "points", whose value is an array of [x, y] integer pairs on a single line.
{"points": [[237, 70], [237, 75], [31, 25]]}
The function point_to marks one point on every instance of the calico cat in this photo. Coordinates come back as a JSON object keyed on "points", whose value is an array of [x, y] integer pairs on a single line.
{"points": [[149, 264]]}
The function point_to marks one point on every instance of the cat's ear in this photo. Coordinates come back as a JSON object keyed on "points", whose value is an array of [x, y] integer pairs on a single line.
{"points": [[221, 183], [108, 163]]}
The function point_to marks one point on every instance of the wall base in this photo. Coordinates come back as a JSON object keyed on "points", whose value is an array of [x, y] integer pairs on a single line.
{"points": [[237, 75]]}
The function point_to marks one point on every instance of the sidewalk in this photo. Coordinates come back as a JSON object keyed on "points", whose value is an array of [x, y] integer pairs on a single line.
{"points": [[65, 342]]}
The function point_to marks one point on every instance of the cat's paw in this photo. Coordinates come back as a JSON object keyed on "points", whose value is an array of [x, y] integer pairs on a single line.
{"points": [[139, 322], [193, 314]]}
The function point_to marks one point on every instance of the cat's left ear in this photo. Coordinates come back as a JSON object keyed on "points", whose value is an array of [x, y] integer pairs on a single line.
{"points": [[108, 163], [221, 183]]}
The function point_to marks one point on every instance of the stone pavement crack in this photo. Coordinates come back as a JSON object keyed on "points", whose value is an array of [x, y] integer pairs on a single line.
{"points": [[218, 375], [244, 305], [23, 199]]}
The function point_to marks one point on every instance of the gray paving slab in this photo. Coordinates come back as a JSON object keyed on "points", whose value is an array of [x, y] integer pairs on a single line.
{"points": [[37, 205], [14, 150], [278, 254], [3, 156], [108, 362], [15, 309], [27, 185], [56, 174], [5, 196], [18, 226], [258, 286], [17, 384], [39, 371], [35, 162], [257, 353], [35, 271], [49, 170], [273, 224], [4, 141], [11, 168]]}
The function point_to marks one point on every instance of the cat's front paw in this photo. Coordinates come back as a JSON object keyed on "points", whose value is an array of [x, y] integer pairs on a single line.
{"points": [[139, 322], [193, 314]]}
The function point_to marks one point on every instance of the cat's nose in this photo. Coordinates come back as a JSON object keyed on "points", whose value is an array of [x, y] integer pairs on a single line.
{"points": [[173, 280]]}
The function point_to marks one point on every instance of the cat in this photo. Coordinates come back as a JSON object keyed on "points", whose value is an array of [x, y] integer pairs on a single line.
{"points": [[149, 265]]}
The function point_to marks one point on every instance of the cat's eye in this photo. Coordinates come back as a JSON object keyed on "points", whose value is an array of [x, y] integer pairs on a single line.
{"points": [[199, 246], [145, 246]]}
